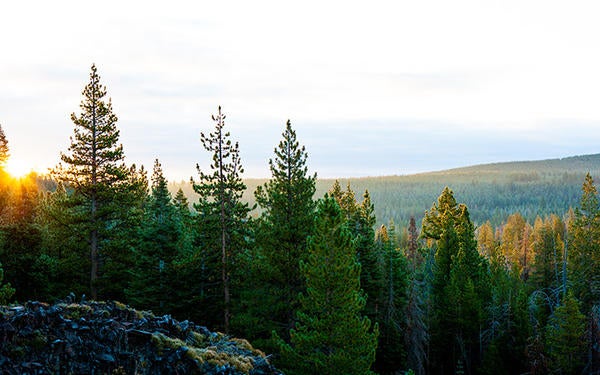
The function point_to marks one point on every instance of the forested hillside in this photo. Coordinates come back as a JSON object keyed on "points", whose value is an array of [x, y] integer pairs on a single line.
{"points": [[491, 191]]}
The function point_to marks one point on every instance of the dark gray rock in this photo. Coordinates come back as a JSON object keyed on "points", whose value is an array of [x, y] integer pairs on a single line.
{"points": [[100, 338]]}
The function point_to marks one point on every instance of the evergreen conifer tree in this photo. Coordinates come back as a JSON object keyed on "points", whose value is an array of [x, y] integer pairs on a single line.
{"points": [[331, 336], [514, 244], [94, 168], [185, 223], [285, 224], [460, 285], [416, 332], [584, 248], [370, 255], [391, 318], [547, 249], [565, 337], [221, 214], [152, 286], [508, 327], [64, 244]]}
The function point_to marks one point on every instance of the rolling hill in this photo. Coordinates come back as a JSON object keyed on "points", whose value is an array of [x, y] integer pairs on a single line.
{"points": [[491, 191]]}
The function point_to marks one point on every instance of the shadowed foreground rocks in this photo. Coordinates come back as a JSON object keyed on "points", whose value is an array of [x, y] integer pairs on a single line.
{"points": [[111, 338]]}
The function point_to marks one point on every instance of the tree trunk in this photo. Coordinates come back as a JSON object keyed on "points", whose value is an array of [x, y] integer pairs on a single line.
{"points": [[224, 260], [94, 203], [94, 257], [225, 277]]}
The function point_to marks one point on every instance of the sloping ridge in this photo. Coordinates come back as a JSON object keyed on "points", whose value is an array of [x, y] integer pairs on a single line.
{"points": [[573, 164], [111, 338]]}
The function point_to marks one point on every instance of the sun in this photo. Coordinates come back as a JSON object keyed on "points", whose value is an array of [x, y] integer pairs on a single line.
{"points": [[16, 168]]}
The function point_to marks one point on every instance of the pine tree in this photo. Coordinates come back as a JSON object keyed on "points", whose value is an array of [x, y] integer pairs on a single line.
{"points": [[181, 202], [584, 247], [393, 300], [514, 244], [152, 285], [185, 223], [345, 199], [460, 285], [486, 241], [416, 336], [285, 223], [63, 244], [565, 337], [331, 336], [221, 213], [547, 248], [507, 329], [370, 255], [361, 221], [94, 169]]}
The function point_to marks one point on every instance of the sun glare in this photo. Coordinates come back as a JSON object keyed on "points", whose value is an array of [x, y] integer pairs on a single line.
{"points": [[17, 169]]}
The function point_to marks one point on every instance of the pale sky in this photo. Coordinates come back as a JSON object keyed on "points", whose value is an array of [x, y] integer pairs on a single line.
{"points": [[372, 87]]}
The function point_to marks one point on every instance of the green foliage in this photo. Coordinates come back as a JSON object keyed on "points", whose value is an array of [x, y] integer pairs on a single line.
{"points": [[416, 333], [460, 285], [286, 221], [63, 245], [508, 328], [159, 237], [222, 220], [492, 192], [565, 337], [372, 258], [391, 306], [584, 245], [547, 248], [104, 190], [331, 336]]}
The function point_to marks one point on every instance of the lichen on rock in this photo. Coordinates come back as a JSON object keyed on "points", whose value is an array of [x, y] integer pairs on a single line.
{"points": [[112, 338]]}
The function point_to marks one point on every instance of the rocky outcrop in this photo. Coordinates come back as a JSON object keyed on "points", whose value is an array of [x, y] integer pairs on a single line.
{"points": [[111, 338]]}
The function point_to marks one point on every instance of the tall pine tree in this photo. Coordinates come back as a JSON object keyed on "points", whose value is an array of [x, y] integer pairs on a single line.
{"points": [[565, 337], [391, 318], [331, 336], [584, 248], [221, 214], [285, 224], [416, 332], [94, 168], [460, 286], [151, 287]]}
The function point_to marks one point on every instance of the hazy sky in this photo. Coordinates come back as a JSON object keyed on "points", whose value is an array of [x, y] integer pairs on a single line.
{"points": [[372, 87]]}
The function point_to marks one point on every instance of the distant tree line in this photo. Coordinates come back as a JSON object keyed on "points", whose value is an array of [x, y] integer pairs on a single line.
{"points": [[320, 283]]}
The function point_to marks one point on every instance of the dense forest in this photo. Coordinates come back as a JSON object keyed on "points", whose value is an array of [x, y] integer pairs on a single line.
{"points": [[492, 192], [331, 277]]}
